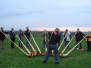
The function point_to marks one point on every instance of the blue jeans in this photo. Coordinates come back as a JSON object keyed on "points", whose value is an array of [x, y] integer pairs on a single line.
{"points": [[55, 48], [27, 41]]}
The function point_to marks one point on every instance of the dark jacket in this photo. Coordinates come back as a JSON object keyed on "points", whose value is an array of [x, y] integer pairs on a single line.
{"points": [[12, 35], [79, 35], [55, 39], [2, 36], [27, 33]]}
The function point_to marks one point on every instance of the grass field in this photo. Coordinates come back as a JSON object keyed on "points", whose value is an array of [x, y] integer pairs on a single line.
{"points": [[14, 58]]}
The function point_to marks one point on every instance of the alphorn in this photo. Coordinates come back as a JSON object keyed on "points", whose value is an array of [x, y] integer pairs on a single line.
{"points": [[17, 46], [34, 53], [38, 53], [62, 42], [68, 44], [43, 53], [74, 47], [23, 44]]}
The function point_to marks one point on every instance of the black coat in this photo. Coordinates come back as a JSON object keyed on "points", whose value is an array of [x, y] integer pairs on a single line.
{"points": [[79, 35], [2, 36]]}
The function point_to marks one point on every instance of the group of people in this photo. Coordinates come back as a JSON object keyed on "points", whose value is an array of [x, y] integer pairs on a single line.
{"points": [[54, 39], [13, 36]]}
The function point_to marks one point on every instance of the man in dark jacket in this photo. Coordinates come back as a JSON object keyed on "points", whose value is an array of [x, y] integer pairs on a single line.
{"points": [[2, 38], [78, 36], [55, 39], [12, 37], [27, 33]]}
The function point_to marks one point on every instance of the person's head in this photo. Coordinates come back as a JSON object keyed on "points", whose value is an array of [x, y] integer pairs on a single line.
{"points": [[12, 29], [20, 30], [78, 29], [57, 30], [66, 30], [1, 28], [27, 28]]}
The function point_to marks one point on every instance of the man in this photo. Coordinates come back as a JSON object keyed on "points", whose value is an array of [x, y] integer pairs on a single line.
{"points": [[55, 39], [2, 38], [12, 37], [88, 39], [67, 38], [27, 33], [78, 37]]}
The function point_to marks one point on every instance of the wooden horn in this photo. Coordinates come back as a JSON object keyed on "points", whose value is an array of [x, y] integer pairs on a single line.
{"points": [[39, 52], [23, 44], [34, 53], [62, 42], [17, 46], [68, 44], [74, 47]]}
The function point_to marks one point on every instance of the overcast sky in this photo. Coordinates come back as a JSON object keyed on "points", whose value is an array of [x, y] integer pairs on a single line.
{"points": [[44, 14]]}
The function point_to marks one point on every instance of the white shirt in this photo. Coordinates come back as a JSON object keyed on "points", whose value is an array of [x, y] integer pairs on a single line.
{"points": [[67, 36]]}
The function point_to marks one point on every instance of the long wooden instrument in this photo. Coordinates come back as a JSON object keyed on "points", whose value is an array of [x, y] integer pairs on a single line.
{"points": [[62, 42], [23, 44], [74, 47], [17, 46], [68, 44], [34, 53], [35, 43]]}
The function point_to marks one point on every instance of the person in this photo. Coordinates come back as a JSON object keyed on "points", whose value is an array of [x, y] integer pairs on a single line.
{"points": [[55, 39], [88, 39], [20, 37], [27, 33], [79, 35], [49, 35], [67, 36], [12, 37], [2, 38], [45, 37]]}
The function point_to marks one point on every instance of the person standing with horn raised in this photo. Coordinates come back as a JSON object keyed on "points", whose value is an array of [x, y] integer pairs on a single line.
{"points": [[55, 39]]}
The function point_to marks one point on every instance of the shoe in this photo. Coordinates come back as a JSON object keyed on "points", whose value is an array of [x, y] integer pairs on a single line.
{"points": [[44, 61], [76, 48], [57, 63]]}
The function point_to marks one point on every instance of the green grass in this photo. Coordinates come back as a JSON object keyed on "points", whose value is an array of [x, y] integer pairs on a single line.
{"points": [[14, 58]]}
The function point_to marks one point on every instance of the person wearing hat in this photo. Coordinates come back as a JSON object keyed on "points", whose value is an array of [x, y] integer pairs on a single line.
{"points": [[2, 38], [54, 40]]}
